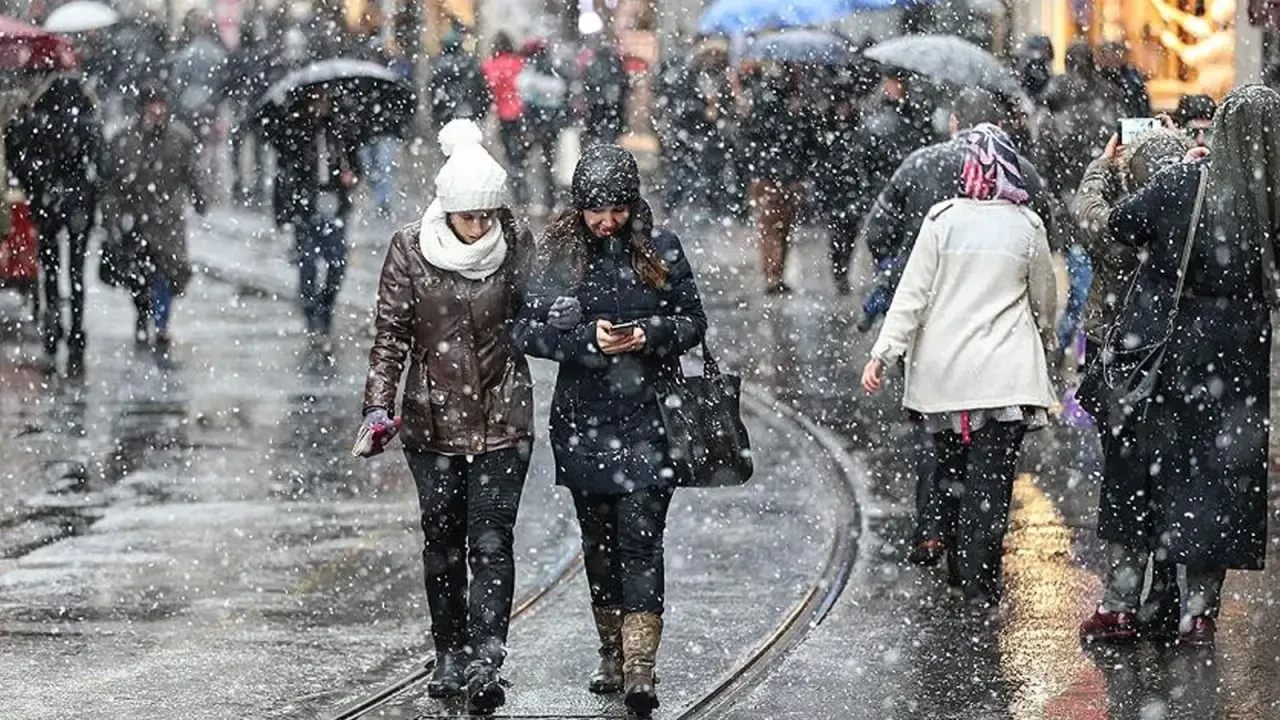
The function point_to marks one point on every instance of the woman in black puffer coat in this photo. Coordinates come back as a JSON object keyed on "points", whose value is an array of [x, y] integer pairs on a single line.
{"points": [[601, 264]]}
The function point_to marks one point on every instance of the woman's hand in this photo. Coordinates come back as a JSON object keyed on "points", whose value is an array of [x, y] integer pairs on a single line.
{"points": [[1112, 151], [873, 376], [1195, 154], [565, 313], [615, 344]]}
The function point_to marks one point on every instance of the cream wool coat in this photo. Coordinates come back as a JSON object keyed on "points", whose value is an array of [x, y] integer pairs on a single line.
{"points": [[974, 310]]}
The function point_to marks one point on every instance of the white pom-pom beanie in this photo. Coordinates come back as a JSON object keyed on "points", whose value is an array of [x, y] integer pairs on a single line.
{"points": [[470, 179]]}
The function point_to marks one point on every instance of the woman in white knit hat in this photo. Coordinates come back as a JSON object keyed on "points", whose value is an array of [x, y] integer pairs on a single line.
{"points": [[449, 292]]}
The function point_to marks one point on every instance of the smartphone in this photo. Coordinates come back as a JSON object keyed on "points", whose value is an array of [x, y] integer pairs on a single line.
{"points": [[623, 328], [1131, 128]]}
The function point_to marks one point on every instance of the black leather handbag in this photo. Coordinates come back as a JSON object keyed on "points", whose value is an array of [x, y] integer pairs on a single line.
{"points": [[705, 434]]}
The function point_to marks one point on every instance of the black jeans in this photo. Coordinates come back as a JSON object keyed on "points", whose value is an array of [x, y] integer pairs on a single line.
{"points": [[50, 228], [977, 485], [468, 516], [320, 239], [622, 546]]}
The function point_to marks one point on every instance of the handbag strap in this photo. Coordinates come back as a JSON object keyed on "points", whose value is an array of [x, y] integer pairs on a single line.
{"points": [[710, 368], [1191, 235]]}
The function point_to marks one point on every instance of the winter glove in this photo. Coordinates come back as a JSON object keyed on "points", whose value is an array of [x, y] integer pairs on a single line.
{"points": [[565, 313], [377, 430]]}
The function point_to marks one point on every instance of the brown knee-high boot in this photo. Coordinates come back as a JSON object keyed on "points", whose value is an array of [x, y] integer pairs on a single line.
{"points": [[641, 634], [608, 677]]}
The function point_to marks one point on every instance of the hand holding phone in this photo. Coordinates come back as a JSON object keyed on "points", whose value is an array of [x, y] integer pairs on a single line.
{"points": [[1131, 128], [624, 329]]}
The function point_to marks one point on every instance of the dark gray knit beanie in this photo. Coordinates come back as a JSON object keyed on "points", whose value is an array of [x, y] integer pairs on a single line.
{"points": [[606, 175]]}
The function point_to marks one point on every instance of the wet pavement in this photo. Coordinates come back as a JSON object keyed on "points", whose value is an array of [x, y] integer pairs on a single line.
{"points": [[213, 553]]}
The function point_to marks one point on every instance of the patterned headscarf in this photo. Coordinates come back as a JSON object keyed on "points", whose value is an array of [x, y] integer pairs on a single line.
{"points": [[992, 170]]}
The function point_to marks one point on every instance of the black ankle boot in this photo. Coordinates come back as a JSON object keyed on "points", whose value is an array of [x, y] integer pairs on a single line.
{"points": [[447, 680], [484, 688]]}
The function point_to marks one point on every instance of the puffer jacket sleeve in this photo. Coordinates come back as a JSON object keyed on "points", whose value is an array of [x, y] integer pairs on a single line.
{"points": [[538, 338], [685, 326], [393, 328]]}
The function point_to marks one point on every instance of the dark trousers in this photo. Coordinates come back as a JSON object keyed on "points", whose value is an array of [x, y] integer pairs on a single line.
{"points": [[930, 509], [844, 235], [51, 229], [622, 546], [320, 239], [468, 517], [517, 149], [977, 485]]}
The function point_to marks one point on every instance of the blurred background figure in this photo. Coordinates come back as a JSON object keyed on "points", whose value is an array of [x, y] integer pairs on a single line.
{"points": [[502, 70], [605, 87], [544, 93], [458, 88], [197, 83], [54, 150], [1035, 66], [1195, 116]]}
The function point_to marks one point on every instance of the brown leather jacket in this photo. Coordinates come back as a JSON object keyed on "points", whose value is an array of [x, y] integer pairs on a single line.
{"points": [[469, 389]]}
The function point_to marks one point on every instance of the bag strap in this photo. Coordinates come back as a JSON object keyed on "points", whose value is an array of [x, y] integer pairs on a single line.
{"points": [[1191, 234], [710, 368]]}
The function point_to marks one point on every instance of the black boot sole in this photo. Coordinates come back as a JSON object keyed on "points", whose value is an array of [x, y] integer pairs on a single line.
{"points": [[642, 702], [487, 699], [602, 688], [443, 692]]}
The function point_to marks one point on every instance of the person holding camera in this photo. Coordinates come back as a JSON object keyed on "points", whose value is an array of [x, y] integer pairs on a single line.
{"points": [[617, 306]]}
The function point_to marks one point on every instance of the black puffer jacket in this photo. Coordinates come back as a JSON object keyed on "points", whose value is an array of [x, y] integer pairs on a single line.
{"points": [[606, 431], [55, 151]]}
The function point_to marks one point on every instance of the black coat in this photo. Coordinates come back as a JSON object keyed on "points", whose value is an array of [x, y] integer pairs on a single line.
{"points": [[458, 88], [55, 151], [303, 189], [1207, 432], [606, 430], [927, 177]]}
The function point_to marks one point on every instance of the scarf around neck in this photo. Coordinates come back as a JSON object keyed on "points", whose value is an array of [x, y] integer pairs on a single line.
{"points": [[443, 249]]}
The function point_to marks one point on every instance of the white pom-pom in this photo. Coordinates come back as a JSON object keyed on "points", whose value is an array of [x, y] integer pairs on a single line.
{"points": [[458, 133]]}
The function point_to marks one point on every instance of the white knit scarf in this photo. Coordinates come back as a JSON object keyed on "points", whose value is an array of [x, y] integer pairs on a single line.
{"points": [[443, 249]]}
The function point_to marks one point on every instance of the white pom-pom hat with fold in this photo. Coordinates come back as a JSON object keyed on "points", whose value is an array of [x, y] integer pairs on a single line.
{"points": [[470, 179]]}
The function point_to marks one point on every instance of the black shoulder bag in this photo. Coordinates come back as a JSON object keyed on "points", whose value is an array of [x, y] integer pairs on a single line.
{"points": [[705, 434], [1122, 379]]}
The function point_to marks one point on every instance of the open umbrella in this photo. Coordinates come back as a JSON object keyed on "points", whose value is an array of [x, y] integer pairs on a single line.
{"points": [[27, 47], [81, 16], [731, 17], [799, 46], [947, 59], [371, 99]]}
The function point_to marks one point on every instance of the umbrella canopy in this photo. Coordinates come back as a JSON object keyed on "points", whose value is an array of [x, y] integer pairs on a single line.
{"points": [[731, 17], [947, 59], [799, 46], [371, 99], [27, 47], [81, 16]]}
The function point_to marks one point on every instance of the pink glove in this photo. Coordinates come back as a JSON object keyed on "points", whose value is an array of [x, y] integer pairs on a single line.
{"points": [[377, 430]]}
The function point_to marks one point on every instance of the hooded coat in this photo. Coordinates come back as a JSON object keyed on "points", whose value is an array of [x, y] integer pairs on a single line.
{"points": [[1206, 431]]}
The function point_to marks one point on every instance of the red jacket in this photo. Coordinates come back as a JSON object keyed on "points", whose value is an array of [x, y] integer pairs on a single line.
{"points": [[502, 72]]}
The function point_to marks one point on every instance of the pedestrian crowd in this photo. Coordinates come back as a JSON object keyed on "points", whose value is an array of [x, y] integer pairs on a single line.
{"points": [[1168, 238]]}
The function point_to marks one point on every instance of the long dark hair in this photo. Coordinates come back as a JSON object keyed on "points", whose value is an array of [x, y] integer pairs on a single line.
{"points": [[569, 240]]}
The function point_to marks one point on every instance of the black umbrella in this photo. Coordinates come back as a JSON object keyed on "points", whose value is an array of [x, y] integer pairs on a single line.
{"points": [[947, 59], [370, 99]]}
